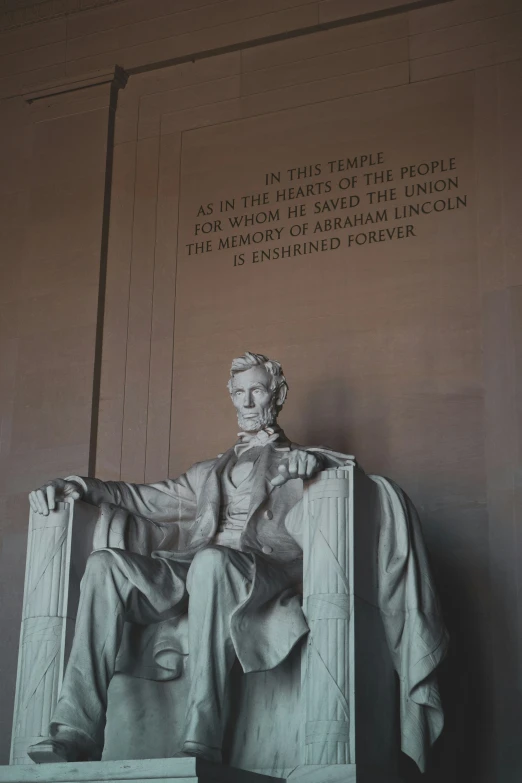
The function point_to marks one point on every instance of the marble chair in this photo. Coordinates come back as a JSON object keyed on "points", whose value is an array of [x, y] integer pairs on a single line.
{"points": [[332, 703]]}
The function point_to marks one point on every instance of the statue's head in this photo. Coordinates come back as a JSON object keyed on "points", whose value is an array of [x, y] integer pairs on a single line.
{"points": [[258, 390]]}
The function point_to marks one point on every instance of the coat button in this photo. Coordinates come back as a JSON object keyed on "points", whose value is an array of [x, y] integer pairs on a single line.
{"points": [[267, 550], [268, 515]]}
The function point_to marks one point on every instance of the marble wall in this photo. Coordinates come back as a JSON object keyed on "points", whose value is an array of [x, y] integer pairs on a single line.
{"points": [[116, 329]]}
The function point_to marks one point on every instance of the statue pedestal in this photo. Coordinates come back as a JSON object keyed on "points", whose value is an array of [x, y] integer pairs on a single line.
{"points": [[187, 770]]}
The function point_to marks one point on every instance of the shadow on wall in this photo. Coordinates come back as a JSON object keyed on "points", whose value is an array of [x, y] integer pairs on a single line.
{"points": [[329, 421], [13, 545], [475, 744], [325, 416], [463, 754]]}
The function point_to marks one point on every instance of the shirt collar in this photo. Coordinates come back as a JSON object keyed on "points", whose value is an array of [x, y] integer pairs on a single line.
{"points": [[272, 435]]}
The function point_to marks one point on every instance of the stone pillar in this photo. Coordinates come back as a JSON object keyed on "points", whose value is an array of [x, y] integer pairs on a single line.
{"points": [[53, 571], [328, 605]]}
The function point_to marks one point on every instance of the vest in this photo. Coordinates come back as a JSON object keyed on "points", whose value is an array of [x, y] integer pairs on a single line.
{"points": [[235, 504]]}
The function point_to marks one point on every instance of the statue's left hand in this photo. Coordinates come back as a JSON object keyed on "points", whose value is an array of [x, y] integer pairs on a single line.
{"points": [[44, 499], [298, 464]]}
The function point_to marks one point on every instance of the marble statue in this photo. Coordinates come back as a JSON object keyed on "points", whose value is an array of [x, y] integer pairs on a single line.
{"points": [[224, 583]]}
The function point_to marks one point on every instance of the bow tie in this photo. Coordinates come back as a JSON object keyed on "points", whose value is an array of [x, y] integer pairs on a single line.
{"points": [[250, 440]]}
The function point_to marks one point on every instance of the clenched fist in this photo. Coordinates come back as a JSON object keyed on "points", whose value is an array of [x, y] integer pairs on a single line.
{"points": [[298, 464], [44, 499]]}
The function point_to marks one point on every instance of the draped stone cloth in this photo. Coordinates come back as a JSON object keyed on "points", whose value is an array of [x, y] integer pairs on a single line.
{"points": [[416, 635], [174, 519]]}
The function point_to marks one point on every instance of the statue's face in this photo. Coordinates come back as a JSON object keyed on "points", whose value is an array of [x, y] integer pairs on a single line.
{"points": [[253, 399]]}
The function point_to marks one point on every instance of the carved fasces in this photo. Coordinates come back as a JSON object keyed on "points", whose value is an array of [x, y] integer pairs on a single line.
{"points": [[49, 610], [328, 674]]}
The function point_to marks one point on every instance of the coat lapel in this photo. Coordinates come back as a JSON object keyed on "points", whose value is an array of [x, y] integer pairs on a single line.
{"points": [[263, 475], [209, 500]]}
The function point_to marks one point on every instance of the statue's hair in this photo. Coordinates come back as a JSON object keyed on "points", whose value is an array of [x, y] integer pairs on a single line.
{"points": [[274, 369]]}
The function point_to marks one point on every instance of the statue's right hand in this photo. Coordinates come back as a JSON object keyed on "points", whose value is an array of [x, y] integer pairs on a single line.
{"points": [[44, 499]]}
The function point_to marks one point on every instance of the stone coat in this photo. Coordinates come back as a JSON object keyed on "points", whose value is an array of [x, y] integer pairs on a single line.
{"points": [[175, 518]]}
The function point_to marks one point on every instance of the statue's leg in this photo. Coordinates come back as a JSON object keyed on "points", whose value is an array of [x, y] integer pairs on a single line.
{"points": [[117, 586], [218, 582]]}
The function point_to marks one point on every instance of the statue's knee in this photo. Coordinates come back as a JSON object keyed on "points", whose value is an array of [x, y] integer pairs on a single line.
{"points": [[100, 562], [209, 560]]}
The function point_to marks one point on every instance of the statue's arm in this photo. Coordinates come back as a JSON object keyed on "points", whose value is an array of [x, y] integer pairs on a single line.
{"points": [[172, 500], [329, 458], [305, 462], [326, 459]]}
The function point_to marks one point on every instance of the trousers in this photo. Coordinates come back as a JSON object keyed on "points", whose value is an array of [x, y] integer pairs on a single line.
{"points": [[120, 586]]}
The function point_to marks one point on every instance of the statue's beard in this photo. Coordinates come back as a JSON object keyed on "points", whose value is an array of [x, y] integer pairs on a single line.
{"points": [[265, 419]]}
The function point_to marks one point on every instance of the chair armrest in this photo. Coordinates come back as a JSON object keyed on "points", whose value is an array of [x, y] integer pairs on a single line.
{"points": [[349, 687], [328, 606], [57, 550]]}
